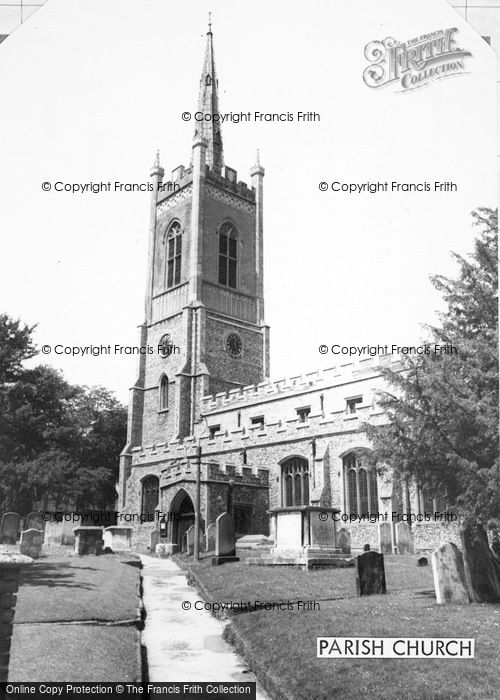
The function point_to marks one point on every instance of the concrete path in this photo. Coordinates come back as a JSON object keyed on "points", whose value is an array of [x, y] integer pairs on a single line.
{"points": [[184, 644]]}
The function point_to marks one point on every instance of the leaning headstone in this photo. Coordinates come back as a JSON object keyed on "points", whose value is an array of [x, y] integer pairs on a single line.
{"points": [[210, 538], [9, 528], [482, 570], [449, 574], [31, 543], [422, 561], [404, 538], [34, 520], [370, 574], [384, 538], [225, 540], [344, 541]]}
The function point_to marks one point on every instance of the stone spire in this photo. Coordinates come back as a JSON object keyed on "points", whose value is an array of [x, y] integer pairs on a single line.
{"points": [[208, 104]]}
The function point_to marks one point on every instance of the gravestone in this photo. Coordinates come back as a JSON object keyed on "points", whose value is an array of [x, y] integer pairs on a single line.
{"points": [[88, 540], [404, 538], [322, 532], [225, 540], [34, 520], [252, 542], [370, 574], [366, 548], [31, 543], [344, 541], [118, 537], [384, 538], [189, 537], [210, 538], [68, 529], [155, 539], [449, 574], [9, 528], [53, 533], [423, 561], [482, 569]]}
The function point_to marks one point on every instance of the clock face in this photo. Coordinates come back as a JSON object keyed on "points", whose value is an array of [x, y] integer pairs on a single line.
{"points": [[234, 344]]}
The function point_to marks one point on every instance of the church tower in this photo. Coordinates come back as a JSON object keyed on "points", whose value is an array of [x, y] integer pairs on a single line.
{"points": [[204, 306]]}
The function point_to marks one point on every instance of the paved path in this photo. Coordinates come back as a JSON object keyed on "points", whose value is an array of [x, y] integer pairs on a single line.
{"points": [[184, 645]]}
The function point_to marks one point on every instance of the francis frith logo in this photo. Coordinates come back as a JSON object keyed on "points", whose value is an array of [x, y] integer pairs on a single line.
{"points": [[416, 62]]}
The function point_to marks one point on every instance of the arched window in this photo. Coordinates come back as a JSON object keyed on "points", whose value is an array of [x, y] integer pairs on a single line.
{"points": [[295, 482], [173, 254], [150, 493], [163, 392], [228, 255], [431, 500], [360, 480]]}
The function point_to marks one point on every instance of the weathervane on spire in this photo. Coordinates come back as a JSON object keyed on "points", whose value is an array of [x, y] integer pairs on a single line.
{"points": [[209, 22]]}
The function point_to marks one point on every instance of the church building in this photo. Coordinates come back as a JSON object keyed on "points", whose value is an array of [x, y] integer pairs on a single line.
{"points": [[203, 399]]}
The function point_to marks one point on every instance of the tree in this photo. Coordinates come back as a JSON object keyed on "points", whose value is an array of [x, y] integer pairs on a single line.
{"points": [[443, 412], [59, 443], [16, 345]]}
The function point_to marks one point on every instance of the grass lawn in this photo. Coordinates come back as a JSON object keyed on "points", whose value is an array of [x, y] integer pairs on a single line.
{"points": [[281, 645], [57, 588], [75, 621]]}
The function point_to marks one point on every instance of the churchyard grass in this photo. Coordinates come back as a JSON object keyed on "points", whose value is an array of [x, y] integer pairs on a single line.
{"points": [[75, 620], [280, 646]]}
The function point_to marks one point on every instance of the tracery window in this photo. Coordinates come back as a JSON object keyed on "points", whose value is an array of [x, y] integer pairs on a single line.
{"points": [[295, 482], [173, 254], [360, 483]]}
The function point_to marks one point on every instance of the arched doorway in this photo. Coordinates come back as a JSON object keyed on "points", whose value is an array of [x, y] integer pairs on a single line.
{"points": [[181, 517]]}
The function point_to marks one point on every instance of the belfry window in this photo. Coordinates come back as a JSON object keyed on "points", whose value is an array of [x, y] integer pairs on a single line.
{"points": [[353, 404], [173, 255], [163, 392], [295, 482], [150, 493], [303, 413], [228, 255], [360, 484]]}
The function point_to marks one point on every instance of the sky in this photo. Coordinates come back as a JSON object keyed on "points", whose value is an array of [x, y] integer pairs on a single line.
{"points": [[90, 90]]}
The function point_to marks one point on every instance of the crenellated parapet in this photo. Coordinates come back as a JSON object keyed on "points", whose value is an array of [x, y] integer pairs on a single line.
{"points": [[317, 379], [214, 471], [228, 181], [234, 443]]}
